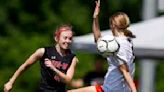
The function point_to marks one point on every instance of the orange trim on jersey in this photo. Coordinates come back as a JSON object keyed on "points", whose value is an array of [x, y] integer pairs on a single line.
{"points": [[99, 88]]}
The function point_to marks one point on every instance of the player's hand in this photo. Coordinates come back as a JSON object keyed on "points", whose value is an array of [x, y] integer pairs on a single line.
{"points": [[97, 9], [7, 87], [48, 63]]}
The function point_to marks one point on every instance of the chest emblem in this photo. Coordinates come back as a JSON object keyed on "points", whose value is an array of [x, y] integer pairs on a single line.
{"points": [[53, 57]]}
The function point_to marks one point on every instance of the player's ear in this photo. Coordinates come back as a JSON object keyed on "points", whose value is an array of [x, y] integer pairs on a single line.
{"points": [[55, 38]]}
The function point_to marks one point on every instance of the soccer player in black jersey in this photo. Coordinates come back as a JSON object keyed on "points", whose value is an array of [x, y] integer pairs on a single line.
{"points": [[57, 63]]}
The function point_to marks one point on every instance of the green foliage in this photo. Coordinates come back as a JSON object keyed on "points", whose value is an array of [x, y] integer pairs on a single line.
{"points": [[16, 49], [159, 77], [45, 15], [85, 64]]}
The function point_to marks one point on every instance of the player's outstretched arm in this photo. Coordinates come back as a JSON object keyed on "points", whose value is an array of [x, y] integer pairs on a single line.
{"points": [[31, 60], [95, 25]]}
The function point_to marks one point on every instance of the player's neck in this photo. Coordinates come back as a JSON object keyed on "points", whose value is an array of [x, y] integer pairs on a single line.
{"points": [[61, 51], [119, 33]]}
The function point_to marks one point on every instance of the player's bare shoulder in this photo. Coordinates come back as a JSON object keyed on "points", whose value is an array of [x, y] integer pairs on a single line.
{"points": [[39, 52]]}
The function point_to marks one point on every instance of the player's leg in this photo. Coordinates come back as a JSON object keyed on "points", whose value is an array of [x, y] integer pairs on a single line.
{"points": [[84, 89], [96, 88]]}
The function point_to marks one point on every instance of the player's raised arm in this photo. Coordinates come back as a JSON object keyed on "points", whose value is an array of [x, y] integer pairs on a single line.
{"points": [[95, 25]]}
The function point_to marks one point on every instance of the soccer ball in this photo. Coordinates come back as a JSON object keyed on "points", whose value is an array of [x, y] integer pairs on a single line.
{"points": [[107, 45]]}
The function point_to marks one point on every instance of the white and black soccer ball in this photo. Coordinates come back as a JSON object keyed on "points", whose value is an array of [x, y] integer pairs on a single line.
{"points": [[107, 45]]}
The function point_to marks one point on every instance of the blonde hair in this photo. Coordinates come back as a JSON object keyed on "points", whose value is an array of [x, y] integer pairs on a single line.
{"points": [[121, 21]]}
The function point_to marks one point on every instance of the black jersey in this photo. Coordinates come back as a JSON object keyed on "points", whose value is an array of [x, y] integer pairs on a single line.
{"points": [[49, 80]]}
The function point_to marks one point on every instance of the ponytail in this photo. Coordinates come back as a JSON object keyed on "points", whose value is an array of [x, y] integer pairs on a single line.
{"points": [[121, 22], [128, 33]]}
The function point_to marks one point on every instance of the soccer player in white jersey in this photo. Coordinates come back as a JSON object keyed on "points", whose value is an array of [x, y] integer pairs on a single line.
{"points": [[119, 77]]}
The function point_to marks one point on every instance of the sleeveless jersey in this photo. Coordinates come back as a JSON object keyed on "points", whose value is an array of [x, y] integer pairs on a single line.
{"points": [[49, 80]]}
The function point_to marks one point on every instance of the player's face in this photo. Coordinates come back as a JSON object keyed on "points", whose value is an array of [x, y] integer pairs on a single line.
{"points": [[65, 39]]}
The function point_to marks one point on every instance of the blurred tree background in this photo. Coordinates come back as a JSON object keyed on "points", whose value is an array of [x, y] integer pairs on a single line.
{"points": [[26, 25]]}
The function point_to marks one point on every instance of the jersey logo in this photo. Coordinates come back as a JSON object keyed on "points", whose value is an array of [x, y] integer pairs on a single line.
{"points": [[53, 57]]}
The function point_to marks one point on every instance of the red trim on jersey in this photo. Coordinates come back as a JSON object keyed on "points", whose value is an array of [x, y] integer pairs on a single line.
{"points": [[99, 88]]}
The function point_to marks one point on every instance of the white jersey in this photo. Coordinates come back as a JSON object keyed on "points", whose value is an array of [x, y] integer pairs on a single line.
{"points": [[114, 80]]}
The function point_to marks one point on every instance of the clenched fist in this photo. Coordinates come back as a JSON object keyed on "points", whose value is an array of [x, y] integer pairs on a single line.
{"points": [[7, 87]]}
